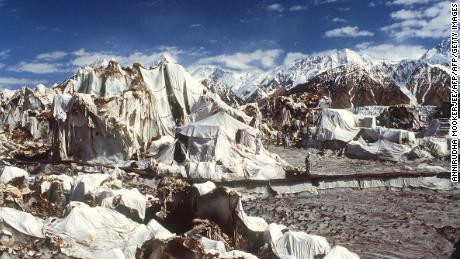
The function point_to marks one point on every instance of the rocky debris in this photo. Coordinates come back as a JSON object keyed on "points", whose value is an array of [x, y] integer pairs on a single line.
{"points": [[295, 115], [209, 221], [400, 117]]}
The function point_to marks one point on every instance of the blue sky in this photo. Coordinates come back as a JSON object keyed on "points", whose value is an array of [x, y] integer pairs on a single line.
{"points": [[47, 40]]}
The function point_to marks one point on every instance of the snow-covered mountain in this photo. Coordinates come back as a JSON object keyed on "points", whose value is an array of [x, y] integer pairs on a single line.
{"points": [[439, 54], [425, 80], [351, 85], [242, 84], [259, 84]]}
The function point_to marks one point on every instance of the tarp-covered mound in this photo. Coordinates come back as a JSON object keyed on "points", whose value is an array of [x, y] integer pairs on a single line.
{"points": [[336, 124], [393, 135], [112, 113], [380, 150], [24, 122], [286, 243], [106, 113], [88, 232], [219, 147], [100, 232], [210, 222]]}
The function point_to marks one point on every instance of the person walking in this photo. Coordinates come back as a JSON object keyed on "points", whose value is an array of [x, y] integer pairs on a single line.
{"points": [[307, 164], [286, 140]]}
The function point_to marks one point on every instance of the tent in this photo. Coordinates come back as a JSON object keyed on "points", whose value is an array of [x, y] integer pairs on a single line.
{"points": [[220, 147]]}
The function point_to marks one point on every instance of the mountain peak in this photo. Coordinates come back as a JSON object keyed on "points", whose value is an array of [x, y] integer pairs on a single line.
{"points": [[440, 54]]}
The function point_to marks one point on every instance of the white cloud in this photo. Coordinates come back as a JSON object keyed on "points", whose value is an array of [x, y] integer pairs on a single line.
{"points": [[391, 51], [343, 9], [298, 8], [43, 64], [275, 7], [409, 2], [245, 60], [2, 65], [48, 56], [338, 19], [36, 68], [317, 2], [5, 54], [84, 58], [195, 25], [347, 31], [19, 81], [405, 14], [424, 22], [291, 57]]}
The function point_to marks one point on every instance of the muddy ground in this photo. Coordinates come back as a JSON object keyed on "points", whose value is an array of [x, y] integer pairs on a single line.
{"points": [[372, 223], [332, 163]]}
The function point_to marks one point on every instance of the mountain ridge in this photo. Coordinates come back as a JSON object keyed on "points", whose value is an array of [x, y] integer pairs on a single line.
{"points": [[431, 69]]}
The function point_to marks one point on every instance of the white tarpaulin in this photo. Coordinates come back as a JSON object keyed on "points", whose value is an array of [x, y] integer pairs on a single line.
{"points": [[340, 252], [381, 150], [255, 224], [210, 127], [101, 233], [301, 245], [212, 246], [22, 221], [394, 135], [336, 124], [131, 199], [67, 182], [285, 242], [213, 151], [10, 173], [61, 105], [204, 188], [236, 254], [85, 184]]}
